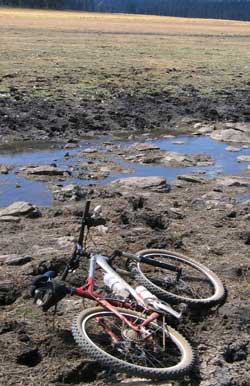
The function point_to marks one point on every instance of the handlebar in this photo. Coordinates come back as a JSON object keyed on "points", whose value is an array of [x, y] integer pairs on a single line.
{"points": [[47, 292]]}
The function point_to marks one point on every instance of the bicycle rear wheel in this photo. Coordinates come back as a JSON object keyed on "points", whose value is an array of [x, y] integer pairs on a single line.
{"points": [[105, 337], [196, 285]]}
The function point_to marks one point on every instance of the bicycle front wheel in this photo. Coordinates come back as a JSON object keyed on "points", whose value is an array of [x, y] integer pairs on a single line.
{"points": [[155, 351], [196, 284]]}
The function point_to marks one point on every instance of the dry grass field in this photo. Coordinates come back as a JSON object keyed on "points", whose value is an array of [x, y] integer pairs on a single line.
{"points": [[71, 73], [67, 53]]}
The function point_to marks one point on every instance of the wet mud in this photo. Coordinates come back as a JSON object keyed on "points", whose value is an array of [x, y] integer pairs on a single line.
{"points": [[27, 117]]}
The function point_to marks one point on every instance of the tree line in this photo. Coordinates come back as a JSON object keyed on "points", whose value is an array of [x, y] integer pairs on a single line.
{"points": [[215, 9]]}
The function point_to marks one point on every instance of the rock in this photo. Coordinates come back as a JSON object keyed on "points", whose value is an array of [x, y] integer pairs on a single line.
{"points": [[173, 159], [70, 192], [4, 169], [232, 148], [93, 176], [89, 151], [179, 142], [11, 219], [231, 135], [20, 208], [176, 213], [211, 201], [158, 184], [3, 258], [197, 125], [205, 130], [18, 260], [99, 169], [143, 147], [70, 146], [8, 293], [191, 179], [243, 158], [233, 181], [246, 217], [245, 127], [44, 170], [212, 195], [149, 154]]}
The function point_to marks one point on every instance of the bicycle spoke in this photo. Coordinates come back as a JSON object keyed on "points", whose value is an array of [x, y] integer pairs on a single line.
{"points": [[192, 282], [130, 347]]}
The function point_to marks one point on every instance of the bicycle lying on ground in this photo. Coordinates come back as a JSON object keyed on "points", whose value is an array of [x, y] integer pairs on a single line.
{"points": [[128, 331]]}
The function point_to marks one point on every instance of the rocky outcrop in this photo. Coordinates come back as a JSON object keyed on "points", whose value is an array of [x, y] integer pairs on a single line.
{"points": [[233, 181], [14, 259], [232, 148], [20, 208], [193, 179], [151, 154], [70, 192], [143, 147], [156, 184], [243, 158], [239, 133], [10, 219], [183, 160], [44, 172]]}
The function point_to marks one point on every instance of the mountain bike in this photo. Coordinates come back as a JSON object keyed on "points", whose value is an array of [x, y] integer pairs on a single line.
{"points": [[128, 331]]}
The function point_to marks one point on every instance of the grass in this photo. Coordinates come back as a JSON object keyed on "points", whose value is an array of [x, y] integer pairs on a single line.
{"points": [[74, 55]]}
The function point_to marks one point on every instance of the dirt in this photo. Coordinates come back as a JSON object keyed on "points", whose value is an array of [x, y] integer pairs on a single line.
{"points": [[24, 117], [38, 349]]}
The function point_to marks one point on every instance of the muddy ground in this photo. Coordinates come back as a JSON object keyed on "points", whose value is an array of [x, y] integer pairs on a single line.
{"points": [[31, 118], [202, 220]]}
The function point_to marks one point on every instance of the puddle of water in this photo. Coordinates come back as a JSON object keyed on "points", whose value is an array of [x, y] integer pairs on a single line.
{"points": [[37, 192], [31, 191], [242, 197], [225, 161]]}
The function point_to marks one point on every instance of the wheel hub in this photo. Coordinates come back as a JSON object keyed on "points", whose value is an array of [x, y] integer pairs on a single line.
{"points": [[131, 335]]}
